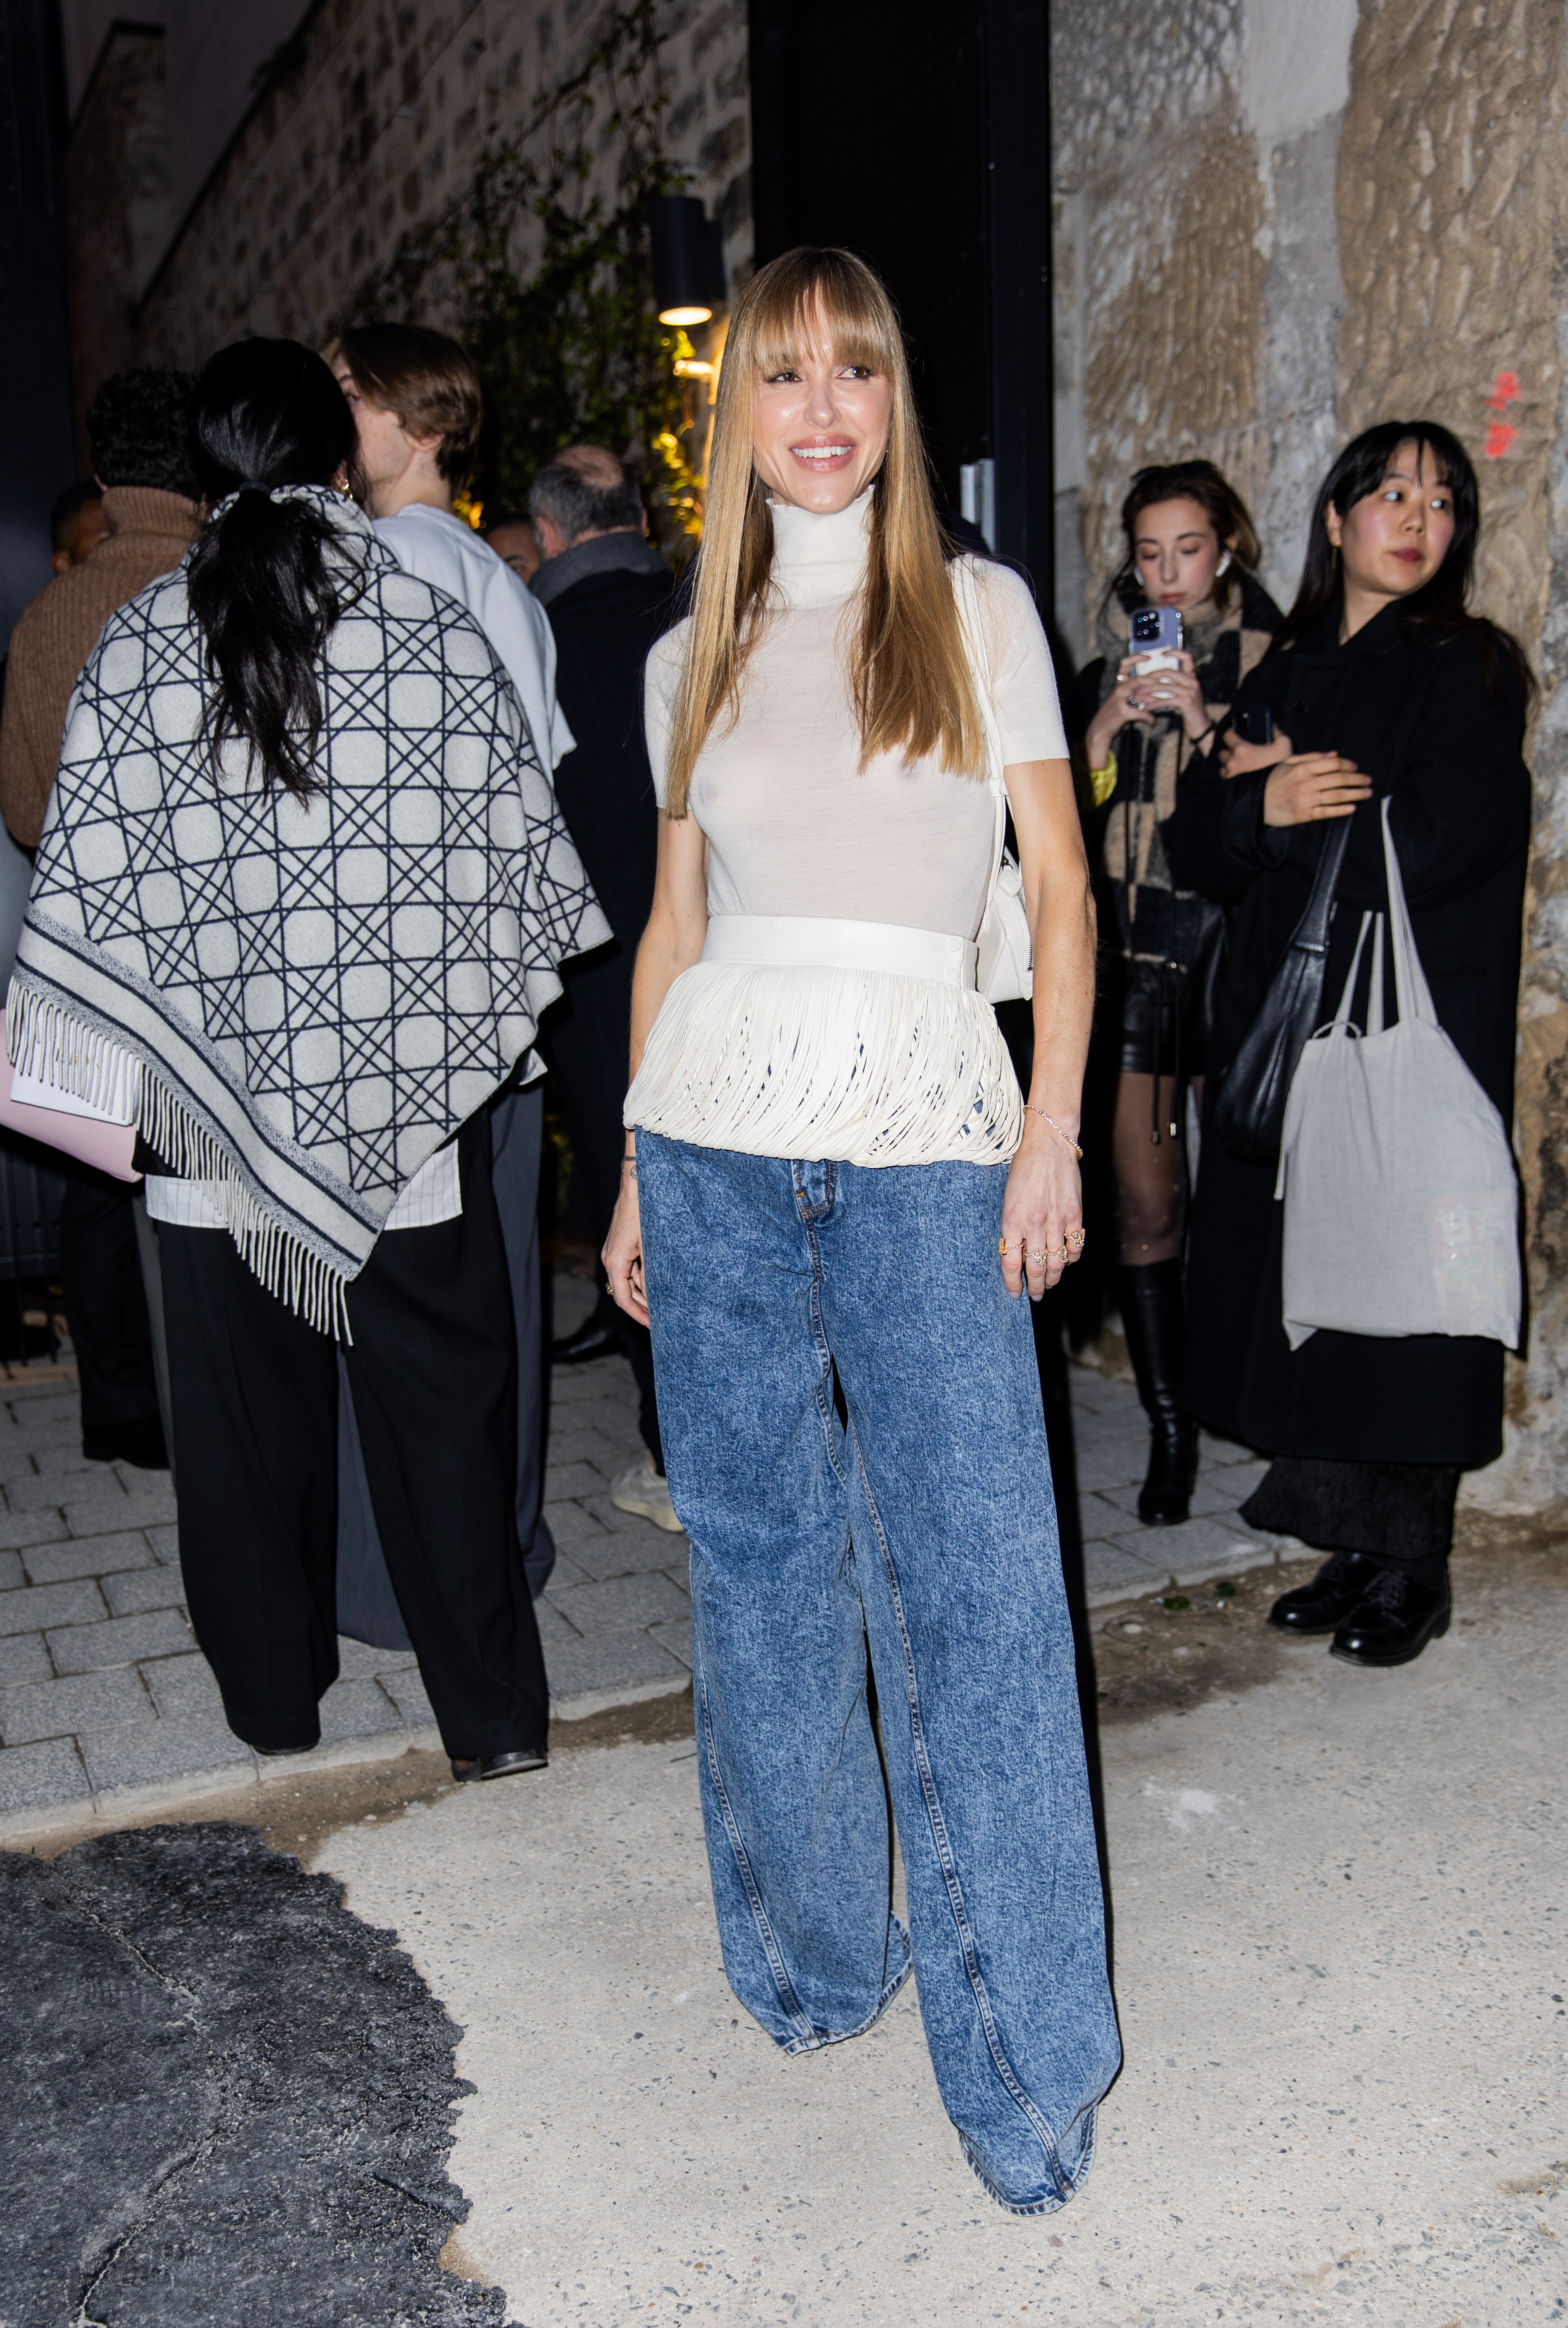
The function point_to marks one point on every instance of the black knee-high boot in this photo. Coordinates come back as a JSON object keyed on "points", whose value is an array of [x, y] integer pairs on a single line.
{"points": [[1152, 1317]]}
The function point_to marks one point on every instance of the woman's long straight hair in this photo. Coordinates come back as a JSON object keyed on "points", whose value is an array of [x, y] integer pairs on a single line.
{"points": [[1440, 610], [268, 579], [909, 677]]}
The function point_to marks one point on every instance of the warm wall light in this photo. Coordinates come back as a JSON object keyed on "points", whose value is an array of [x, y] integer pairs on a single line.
{"points": [[688, 259]]}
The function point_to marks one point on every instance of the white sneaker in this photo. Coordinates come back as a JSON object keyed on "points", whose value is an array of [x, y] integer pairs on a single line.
{"points": [[644, 1491]]}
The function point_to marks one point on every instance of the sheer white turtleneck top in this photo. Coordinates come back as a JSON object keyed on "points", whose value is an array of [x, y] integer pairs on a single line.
{"points": [[869, 1065]]}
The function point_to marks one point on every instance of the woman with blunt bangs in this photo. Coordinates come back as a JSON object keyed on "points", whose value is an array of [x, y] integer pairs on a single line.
{"points": [[834, 1198], [1382, 685], [300, 899]]}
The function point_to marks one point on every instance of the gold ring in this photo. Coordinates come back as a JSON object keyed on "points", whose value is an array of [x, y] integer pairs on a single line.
{"points": [[1001, 1246], [1058, 1253], [1037, 1255], [1075, 1237]]}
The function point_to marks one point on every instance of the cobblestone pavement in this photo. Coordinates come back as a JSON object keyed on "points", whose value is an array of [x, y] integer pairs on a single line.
{"points": [[105, 1699]]}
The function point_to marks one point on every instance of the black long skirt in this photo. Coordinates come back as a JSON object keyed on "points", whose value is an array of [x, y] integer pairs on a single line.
{"points": [[1425, 1398]]}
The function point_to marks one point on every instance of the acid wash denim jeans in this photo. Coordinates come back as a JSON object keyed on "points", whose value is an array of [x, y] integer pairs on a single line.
{"points": [[927, 1532]]}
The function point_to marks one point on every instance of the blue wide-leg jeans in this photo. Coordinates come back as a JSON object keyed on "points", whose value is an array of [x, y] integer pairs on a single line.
{"points": [[927, 1533]]}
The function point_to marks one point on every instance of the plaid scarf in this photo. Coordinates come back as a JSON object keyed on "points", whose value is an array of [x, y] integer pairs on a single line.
{"points": [[313, 994]]}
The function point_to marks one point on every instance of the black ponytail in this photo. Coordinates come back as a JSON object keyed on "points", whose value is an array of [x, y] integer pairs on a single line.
{"points": [[270, 577]]}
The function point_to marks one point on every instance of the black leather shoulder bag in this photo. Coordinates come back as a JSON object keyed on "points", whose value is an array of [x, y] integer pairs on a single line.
{"points": [[1249, 1101]]}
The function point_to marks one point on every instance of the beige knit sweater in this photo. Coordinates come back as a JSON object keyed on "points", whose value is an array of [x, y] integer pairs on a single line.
{"points": [[148, 534]]}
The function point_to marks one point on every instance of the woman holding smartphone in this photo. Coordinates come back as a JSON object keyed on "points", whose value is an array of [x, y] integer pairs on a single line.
{"points": [[1190, 552], [1381, 683]]}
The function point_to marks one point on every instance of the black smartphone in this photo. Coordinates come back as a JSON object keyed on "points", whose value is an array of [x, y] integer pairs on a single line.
{"points": [[1253, 723]]}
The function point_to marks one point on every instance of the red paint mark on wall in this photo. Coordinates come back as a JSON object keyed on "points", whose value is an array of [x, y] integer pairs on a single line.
{"points": [[1500, 432]]}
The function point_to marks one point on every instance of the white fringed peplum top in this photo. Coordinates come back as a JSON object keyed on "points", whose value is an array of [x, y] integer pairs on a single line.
{"points": [[834, 1011]]}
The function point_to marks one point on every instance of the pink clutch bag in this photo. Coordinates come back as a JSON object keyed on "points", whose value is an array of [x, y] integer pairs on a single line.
{"points": [[90, 1138]]}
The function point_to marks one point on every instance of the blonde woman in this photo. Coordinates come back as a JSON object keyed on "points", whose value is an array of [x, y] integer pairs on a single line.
{"points": [[833, 1199]]}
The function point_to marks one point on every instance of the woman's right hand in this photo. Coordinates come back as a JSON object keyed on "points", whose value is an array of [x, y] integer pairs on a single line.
{"points": [[1122, 708], [623, 1253], [1313, 785]]}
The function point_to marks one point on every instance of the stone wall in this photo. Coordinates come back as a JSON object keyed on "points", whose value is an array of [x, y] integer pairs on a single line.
{"points": [[116, 201], [373, 126], [1276, 223]]}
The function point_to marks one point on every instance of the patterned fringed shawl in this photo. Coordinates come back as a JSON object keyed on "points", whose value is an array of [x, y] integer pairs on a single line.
{"points": [[313, 995]]}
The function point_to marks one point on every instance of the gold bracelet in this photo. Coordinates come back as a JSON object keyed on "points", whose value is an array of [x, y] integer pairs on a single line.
{"points": [[1056, 1126]]}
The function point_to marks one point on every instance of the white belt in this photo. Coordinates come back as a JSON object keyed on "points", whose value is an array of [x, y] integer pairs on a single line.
{"points": [[799, 943]]}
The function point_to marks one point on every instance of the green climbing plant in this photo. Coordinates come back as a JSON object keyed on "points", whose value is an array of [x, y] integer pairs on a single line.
{"points": [[575, 350]]}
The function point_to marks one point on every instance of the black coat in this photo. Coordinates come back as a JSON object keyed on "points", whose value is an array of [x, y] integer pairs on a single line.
{"points": [[604, 627], [1440, 733]]}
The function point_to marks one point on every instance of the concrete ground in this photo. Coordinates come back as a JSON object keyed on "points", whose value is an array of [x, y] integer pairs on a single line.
{"points": [[106, 1705], [1337, 1901], [1340, 1961]]}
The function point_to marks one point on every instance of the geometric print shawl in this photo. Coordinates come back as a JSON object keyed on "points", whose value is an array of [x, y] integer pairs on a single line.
{"points": [[314, 995]]}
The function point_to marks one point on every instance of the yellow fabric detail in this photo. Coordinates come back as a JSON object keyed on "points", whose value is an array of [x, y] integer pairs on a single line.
{"points": [[1103, 782]]}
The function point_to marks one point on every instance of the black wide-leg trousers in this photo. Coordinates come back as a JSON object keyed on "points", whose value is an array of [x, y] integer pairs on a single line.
{"points": [[433, 1373], [105, 1301]]}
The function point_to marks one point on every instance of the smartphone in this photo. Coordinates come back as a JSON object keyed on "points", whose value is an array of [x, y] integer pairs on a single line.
{"points": [[1254, 723], [1154, 639]]}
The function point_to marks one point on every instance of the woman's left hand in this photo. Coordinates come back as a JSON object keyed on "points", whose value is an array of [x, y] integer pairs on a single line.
{"points": [[1042, 1213], [1175, 690]]}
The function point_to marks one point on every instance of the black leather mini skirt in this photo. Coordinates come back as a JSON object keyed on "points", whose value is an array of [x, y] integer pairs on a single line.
{"points": [[1160, 1019]]}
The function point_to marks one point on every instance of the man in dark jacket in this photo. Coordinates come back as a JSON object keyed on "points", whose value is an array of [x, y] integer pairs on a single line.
{"points": [[607, 591]]}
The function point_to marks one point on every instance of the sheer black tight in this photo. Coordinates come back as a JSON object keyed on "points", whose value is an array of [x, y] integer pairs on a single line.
{"points": [[1152, 1184]]}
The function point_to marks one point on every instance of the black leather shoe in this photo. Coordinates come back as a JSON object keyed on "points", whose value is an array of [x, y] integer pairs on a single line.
{"points": [[502, 1766], [1394, 1621], [140, 1442], [1340, 1585], [600, 1336]]}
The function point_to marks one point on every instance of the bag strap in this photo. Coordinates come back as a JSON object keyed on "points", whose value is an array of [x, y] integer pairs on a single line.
{"points": [[966, 594], [1412, 992], [1347, 993], [1311, 932], [1375, 995]]}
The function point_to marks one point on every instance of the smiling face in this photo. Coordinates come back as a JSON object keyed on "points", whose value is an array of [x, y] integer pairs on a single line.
{"points": [[819, 428], [1177, 551], [1394, 539]]}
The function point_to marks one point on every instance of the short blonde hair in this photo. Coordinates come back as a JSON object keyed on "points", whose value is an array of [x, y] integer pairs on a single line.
{"points": [[908, 672], [427, 379]]}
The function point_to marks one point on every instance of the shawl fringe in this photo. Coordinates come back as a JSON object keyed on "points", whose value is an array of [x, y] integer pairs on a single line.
{"points": [[71, 1055]]}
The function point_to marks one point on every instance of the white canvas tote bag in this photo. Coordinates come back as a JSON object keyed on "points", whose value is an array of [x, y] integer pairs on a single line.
{"points": [[1401, 1196]]}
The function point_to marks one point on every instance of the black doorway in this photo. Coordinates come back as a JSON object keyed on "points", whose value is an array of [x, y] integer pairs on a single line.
{"points": [[917, 135]]}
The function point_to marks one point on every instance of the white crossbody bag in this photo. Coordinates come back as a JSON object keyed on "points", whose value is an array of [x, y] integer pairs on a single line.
{"points": [[1005, 964]]}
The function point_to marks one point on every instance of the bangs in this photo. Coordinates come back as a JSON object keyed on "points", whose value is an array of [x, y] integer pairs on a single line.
{"points": [[1423, 444], [820, 295]]}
